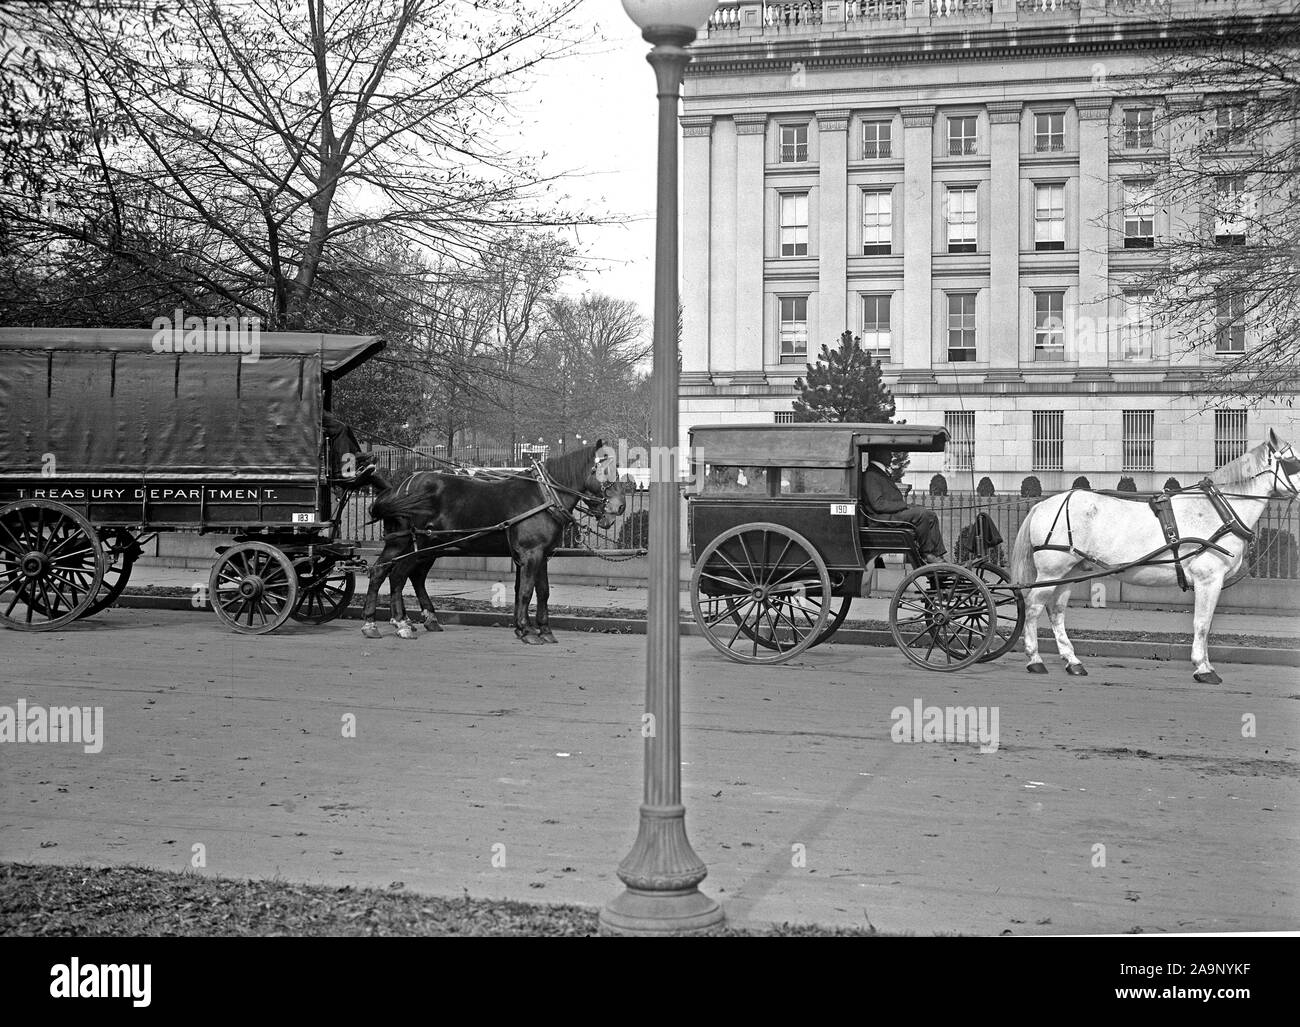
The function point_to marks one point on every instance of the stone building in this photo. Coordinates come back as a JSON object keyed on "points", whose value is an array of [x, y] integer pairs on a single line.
{"points": [[960, 182]]}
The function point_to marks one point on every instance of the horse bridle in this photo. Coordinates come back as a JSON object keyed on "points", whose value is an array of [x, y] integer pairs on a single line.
{"points": [[1283, 468]]}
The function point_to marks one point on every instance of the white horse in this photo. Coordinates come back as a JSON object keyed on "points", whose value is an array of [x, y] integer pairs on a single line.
{"points": [[1087, 531]]}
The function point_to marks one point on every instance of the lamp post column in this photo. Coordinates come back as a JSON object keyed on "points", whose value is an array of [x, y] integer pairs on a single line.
{"points": [[662, 872]]}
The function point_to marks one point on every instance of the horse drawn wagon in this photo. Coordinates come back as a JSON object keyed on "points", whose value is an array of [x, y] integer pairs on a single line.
{"points": [[108, 439], [781, 542]]}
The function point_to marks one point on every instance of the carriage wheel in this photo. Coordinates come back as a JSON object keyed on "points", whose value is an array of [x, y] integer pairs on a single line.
{"points": [[761, 593], [941, 617], [835, 619], [801, 610], [253, 588], [323, 591], [1009, 605], [120, 552], [51, 565]]}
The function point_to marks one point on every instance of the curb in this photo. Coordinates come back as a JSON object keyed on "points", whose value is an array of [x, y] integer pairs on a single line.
{"points": [[1166, 651]]}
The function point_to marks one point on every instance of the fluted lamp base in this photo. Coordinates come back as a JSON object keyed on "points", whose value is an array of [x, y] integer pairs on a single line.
{"points": [[662, 874]]}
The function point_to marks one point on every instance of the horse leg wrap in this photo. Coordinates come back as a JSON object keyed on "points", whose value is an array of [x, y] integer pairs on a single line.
{"points": [[371, 630], [405, 629], [431, 621]]}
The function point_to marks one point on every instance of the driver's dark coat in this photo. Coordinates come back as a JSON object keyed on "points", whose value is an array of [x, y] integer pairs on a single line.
{"points": [[879, 492]]}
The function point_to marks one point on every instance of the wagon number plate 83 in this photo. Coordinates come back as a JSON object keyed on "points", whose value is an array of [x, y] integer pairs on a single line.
{"points": [[303, 518], [842, 509]]}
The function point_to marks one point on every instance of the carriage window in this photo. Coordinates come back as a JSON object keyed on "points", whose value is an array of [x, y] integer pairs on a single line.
{"points": [[817, 481], [735, 479]]}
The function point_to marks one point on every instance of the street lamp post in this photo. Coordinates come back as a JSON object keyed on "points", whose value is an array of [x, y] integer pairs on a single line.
{"points": [[662, 872]]}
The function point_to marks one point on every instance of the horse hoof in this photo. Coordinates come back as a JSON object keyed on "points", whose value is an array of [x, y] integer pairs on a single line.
{"points": [[1036, 668], [548, 638], [531, 640], [1209, 677], [1076, 670], [431, 623], [368, 630], [405, 629]]}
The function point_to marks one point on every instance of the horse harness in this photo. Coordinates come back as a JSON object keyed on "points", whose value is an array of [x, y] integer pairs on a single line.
{"points": [[1162, 507]]}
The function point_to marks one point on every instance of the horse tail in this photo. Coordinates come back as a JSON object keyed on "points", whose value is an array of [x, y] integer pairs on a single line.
{"points": [[1023, 570], [390, 504]]}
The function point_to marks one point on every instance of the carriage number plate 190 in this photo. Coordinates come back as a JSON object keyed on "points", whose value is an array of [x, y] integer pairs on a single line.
{"points": [[303, 518], [842, 510]]}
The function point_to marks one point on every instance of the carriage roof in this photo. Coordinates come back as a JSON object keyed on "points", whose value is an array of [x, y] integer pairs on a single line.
{"points": [[809, 445], [105, 402]]}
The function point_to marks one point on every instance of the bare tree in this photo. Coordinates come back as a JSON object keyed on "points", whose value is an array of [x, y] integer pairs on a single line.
{"points": [[1224, 280], [232, 155]]}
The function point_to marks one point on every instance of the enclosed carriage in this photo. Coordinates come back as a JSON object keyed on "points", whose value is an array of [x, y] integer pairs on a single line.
{"points": [[107, 439], [781, 543]]}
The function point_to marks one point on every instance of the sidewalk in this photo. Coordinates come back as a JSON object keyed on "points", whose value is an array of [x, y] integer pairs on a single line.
{"points": [[1080, 618]]}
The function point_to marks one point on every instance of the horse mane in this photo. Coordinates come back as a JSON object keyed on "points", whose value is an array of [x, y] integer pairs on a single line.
{"points": [[570, 469], [1244, 468]]}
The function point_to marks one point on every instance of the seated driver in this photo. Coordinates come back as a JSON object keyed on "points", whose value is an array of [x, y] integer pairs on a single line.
{"points": [[882, 499]]}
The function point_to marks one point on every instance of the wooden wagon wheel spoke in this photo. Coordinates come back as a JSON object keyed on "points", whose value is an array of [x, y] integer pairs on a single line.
{"points": [[775, 565], [254, 588], [957, 610], [52, 564]]}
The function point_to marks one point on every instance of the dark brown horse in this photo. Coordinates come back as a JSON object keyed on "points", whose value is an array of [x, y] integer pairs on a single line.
{"points": [[431, 514]]}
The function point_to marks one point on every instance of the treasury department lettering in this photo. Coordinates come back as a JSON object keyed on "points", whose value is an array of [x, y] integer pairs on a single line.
{"points": [[159, 493]]}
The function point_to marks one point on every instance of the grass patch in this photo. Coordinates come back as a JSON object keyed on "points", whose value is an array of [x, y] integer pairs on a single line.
{"points": [[80, 901]]}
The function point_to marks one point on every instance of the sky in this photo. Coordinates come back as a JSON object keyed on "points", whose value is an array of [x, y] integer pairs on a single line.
{"points": [[594, 115]]}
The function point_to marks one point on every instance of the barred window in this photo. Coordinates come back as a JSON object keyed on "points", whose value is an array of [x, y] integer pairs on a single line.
{"points": [[876, 139], [1049, 440], [783, 417], [1139, 440], [794, 225], [960, 455], [1049, 132], [794, 144], [961, 136], [1229, 436]]}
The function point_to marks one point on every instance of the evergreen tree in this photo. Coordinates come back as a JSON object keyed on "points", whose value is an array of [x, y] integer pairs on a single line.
{"points": [[845, 385]]}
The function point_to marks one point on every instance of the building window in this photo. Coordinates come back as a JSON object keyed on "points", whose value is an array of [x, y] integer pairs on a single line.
{"points": [[1049, 325], [794, 144], [1049, 133], [1230, 323], [877, 139], [1049, 217], [1135, 326], [1049, 440], [960, 455], [1229, 436], [794, 329], [961, 219], [961, 136], [1139, 214], [1139, 127], [877, 221], [794, 225], [1230, 125], [1139, 440], [1232, 209], [961, 326], [783, 417], [875, 324]]}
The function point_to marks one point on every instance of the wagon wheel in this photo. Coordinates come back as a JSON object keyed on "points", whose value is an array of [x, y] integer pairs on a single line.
{"points": [[1009, 604], [120, 553], [51, 565], [803, 612], [744, 591], [323, 591], [941, 617], [253, 588]]}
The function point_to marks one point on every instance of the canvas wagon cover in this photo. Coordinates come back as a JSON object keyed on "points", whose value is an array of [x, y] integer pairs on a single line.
{"points": [[104, 403]]}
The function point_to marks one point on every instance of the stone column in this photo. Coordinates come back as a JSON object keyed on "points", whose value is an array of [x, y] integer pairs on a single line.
{"points": [[747, 286], [1004, 241], [918, 184], [832, 236], [722, 253], [697, 140], [1092, 335]]}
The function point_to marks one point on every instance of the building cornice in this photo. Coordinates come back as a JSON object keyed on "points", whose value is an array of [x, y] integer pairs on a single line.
{"points": [[833, 121]]}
